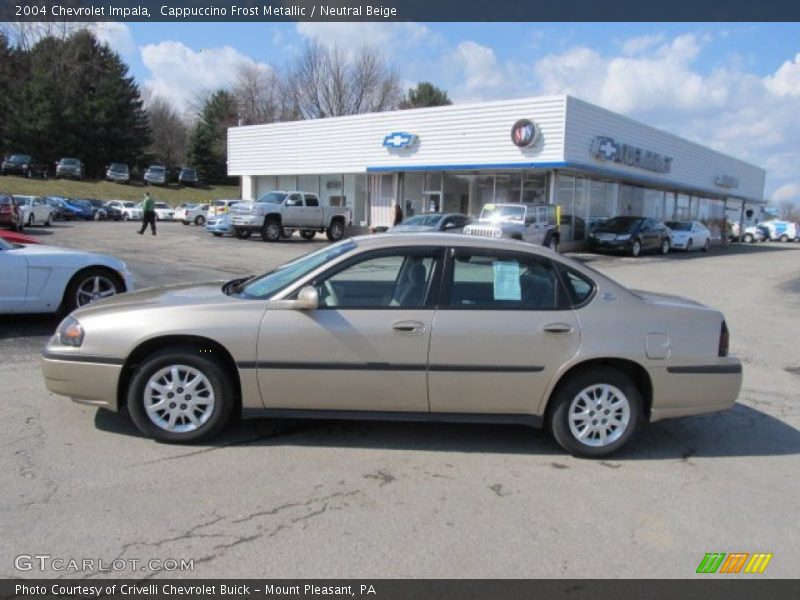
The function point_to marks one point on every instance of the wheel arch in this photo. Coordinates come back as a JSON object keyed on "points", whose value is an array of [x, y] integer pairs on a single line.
{"points": [[637, 373], [187, 342], [273, 216]]}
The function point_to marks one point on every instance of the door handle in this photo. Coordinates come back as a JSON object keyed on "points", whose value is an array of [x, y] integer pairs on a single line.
{"points": [[557, 328], [408, 327]]}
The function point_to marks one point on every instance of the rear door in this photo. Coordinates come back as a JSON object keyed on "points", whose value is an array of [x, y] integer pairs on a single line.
{"points": [[502, 330], [312, 214], [292, 210]]}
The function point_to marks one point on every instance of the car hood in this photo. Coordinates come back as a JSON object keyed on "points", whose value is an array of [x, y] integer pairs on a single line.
{"points": [[183, 295]]}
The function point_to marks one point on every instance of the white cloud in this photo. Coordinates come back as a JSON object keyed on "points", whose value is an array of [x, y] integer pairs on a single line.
{"points": [[786, 80], [789, 191], [636, 45], [116, 35], [348, 36], [180, 74]]}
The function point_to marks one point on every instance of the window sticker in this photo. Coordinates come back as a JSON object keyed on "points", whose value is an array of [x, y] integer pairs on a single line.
{"points": [[506, 280]]}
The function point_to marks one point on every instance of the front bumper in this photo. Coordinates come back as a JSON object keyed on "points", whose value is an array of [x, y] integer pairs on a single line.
{"points": [[610, 245], [247, 221], [84, 379]]}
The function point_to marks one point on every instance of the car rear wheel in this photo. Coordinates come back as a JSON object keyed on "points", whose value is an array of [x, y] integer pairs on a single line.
{"points": [[308, 235], [689, 246], [177, 395], [243, 234], [90, 285], [748, 238], [125, 216], [96, 215], [636, 248], [199, 220], [271, 231], [335, 231], [784, 238], [49, 220], [665, 246], [596, 412]]}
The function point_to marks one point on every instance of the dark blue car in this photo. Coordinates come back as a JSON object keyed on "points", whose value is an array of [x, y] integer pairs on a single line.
{"points": [[81, 209]]}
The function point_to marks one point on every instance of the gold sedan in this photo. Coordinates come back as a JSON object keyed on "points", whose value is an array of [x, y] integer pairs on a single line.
{"points": [[437, 327]]}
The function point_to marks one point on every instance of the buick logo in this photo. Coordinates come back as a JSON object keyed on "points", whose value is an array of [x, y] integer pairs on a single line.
{"points": [[524, 133]]}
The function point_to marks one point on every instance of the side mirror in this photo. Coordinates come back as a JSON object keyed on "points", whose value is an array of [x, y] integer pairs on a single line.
{"points": [[307, 299]]}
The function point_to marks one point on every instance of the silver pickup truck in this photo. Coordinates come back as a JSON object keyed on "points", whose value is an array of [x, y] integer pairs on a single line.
{"points": [[278, 214], [526, 222]]}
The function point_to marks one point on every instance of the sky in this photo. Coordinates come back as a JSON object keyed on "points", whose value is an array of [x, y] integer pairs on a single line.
{"points": [[732, 86]]}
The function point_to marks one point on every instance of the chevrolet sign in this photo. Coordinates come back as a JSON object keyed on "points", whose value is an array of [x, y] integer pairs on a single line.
{"points": [[399, 139]]}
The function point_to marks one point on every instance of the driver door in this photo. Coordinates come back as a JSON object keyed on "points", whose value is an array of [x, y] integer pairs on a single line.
{"points": [[366, 347]]}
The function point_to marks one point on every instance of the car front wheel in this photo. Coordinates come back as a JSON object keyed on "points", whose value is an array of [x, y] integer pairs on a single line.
{"points": [[636, 248], [665, 247], [177, 395], [271, 231], [90, 285], [596, 412], [707, 245]]}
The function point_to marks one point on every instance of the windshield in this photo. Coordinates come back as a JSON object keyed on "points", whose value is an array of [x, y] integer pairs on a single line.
{"points": [[18, 159], [271, 283], [492, 212], [679, 226], [272, 197], [187, 173], [118, 167], [70, 162], [157, 170], [424, 220], [20, 200], [620, 224], [5, 200]]}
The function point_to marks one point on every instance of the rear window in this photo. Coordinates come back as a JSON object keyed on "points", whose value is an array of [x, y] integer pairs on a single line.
{"points": [[579, 287], [5, 200]]}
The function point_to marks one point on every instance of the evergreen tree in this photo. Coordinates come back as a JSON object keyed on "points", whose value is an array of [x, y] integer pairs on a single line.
{"points": [[208, 146], [425, 94]]}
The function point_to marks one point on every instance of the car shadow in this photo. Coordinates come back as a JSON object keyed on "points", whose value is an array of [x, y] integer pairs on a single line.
{"points": [[741, 431], [28, 325]]}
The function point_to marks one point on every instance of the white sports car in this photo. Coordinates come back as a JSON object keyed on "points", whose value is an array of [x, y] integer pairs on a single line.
{"points": [[45, 279]]}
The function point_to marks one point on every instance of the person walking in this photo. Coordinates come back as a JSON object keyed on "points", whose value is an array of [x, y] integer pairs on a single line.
{"points": [[398, 214], [149, 214]]}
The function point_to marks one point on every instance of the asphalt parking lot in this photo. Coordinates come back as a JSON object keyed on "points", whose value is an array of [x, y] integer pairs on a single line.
{"points": [[289, 499]]}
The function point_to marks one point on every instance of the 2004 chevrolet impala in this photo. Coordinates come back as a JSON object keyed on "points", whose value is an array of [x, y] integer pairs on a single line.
{"points": [[413, 327]]}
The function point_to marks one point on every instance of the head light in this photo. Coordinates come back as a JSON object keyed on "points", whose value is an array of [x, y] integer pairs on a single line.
{"points": [[70, 333], [624, 236]]}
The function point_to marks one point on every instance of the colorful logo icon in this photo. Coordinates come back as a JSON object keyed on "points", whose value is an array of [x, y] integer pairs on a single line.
{"points": [[399, 139], [735, 562], [524, 133]]}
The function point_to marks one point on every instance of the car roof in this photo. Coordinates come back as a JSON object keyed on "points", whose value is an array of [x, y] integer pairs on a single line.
{"points": [[447, 239]]}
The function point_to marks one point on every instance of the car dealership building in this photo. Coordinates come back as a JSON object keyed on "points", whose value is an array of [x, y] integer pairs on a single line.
{"points": [[557, 150]]}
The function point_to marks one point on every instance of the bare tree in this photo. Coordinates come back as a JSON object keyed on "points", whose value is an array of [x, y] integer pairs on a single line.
{"points": [[788, 210], [170, 132], [327, 82], [260, 94]]}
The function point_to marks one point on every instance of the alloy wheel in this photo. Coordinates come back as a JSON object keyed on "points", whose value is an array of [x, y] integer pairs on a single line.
{"points": [[179, 398], [599, 415], [94, 288]]}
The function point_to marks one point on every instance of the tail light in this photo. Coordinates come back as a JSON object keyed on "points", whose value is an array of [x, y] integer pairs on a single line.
{"points": [[724, 340], [5, 208]]}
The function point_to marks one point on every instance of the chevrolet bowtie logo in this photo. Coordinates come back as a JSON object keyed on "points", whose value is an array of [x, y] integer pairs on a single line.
{"points": [[399, 139]]}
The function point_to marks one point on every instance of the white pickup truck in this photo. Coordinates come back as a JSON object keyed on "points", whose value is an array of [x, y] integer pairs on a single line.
{"points": [[278, 214]]}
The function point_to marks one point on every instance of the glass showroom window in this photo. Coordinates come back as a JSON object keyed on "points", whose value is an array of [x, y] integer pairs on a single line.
{"points": [[716, 219], [682, 209], [413, 196], [654, 204], [565, 198]]}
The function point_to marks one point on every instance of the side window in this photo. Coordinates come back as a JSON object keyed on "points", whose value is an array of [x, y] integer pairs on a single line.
{"points": [[489, 281], [579, 287], [294, 200], [311, 200], [398, 280]]}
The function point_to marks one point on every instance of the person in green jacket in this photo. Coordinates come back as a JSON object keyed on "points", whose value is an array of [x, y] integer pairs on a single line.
{"points": [[149, 216]]}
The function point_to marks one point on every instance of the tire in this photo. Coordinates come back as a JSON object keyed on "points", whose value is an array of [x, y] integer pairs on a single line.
{"points": [[96, 216], [602, 393], [308, 235], [243, 234], [336, 231], [49, 220], [784, 238], [636, 248], [706, 246], [89, 285], [169, 368], [200, 220], [271, 231], [185, 222], [689, 246], [216, 234], [126, 217], [665, 246], [748, 238], [31, 220]]}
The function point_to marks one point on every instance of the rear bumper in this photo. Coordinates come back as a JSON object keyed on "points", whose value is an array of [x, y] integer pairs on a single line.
{"points": [[81, 379], [681, 391]]}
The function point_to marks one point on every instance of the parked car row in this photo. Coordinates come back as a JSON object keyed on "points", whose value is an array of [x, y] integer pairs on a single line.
{"points": [[775, 231], [635, 235]]}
